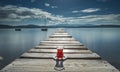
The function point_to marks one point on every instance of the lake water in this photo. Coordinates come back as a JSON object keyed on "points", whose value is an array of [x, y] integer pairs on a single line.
{"points": [[103, 41]]}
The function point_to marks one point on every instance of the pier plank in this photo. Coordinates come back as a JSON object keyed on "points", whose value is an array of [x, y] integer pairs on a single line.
{"points": [[62, 44], [54, 51], [69, 56], [47, 65], [60, 36], [73, 42], [81, 47], [60, 39]]}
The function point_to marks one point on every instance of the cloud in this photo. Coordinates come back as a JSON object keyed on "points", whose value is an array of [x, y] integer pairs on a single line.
{"points": [[47, 4], [94, 19], [15, 13], [54, 7], [76, 11], [90, 10]]}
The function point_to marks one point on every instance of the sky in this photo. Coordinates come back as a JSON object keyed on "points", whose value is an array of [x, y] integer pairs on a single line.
{"points": [[52, 12]]}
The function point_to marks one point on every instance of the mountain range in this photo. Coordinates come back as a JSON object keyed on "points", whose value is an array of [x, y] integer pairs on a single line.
{"points": [[59, 25]]}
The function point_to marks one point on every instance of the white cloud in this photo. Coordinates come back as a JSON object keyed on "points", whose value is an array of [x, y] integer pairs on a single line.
{"points": [[75, 11], [12, 16], [15, 13], [47, 4], [94, 19], [90, 10], [54, 7]]}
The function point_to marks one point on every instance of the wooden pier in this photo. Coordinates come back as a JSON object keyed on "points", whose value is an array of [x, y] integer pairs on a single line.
{"points": [[79, 58]]}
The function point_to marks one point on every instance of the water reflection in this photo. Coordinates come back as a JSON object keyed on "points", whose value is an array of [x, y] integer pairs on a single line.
{"points": [[104, 41]]}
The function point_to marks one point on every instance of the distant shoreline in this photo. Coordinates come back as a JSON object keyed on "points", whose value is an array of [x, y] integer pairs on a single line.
{"points": [[58, 26]]}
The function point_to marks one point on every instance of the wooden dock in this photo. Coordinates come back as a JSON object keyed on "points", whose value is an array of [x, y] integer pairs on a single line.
{"points": [[79, 58]]}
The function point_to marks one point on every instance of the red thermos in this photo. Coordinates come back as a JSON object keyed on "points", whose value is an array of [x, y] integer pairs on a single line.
{"points": [[60, 53]]}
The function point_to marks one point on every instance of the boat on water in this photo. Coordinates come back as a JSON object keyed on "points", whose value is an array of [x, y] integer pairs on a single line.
{"points": [[18, 29], [44, 29]]}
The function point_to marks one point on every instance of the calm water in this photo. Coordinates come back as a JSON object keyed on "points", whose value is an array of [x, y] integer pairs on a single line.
{"points": [[104, 41]]}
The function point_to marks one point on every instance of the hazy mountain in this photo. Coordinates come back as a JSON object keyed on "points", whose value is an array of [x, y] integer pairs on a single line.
{"points": [[59, 25]]}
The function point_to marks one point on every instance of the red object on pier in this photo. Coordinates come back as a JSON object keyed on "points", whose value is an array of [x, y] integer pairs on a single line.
{"points": [[60, 53]]}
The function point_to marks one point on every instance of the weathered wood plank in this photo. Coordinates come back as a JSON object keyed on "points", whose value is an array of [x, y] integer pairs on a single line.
{"points": [[60, 36], [60, 31], [69, 56], [66, 51], [61, 39], [47, 65], [82, 47], [60, 42]]}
